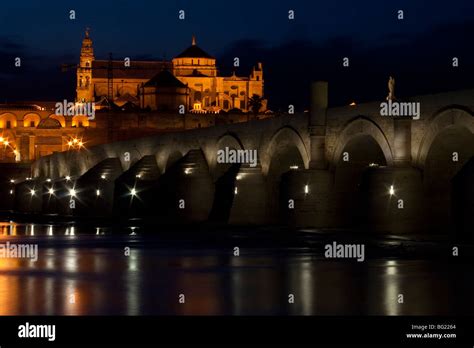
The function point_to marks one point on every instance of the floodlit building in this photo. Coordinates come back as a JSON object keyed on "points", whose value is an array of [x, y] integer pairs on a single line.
{"points": [[191, 80]]}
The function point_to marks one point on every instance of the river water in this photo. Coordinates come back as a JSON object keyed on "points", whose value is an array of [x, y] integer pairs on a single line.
{"points": [[87, 270]]}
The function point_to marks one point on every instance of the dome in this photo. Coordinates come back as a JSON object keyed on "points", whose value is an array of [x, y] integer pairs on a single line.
{"points": [[194, 51]]}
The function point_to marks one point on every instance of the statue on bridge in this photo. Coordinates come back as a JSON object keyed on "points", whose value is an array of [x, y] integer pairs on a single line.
{"points": [[391, 88]]}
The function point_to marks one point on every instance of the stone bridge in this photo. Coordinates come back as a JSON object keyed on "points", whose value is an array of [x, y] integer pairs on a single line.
{"points": [[341, 167]]}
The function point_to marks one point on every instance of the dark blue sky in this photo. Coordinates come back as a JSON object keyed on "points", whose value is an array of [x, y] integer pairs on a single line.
{"points": [[309, 47]]}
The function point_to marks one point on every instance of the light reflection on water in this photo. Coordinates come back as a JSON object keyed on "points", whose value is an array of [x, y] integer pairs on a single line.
{"points": [[75, 275]]}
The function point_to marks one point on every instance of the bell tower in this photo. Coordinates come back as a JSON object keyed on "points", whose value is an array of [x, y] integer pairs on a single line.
{"points": [[85, 88]]}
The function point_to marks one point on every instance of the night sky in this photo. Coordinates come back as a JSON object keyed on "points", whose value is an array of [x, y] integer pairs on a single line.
{"points": [[418, 50]]}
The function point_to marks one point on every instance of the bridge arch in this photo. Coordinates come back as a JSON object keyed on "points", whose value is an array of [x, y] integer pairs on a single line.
{"points": [[362, 126], [453, 117], [283, 145], [360, 145], [229, 140], [446, 148]]}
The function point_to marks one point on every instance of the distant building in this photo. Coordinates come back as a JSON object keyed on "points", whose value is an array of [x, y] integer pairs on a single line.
{"points": [[191, 80], [29, 130], [190, 83]]}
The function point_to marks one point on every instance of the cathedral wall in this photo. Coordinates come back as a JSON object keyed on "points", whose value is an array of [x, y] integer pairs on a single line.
{"points": [[129, 86]]}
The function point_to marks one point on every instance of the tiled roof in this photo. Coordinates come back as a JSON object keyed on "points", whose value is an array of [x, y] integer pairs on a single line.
{"points": [[165, 79], [194, 52], [137, 70]]}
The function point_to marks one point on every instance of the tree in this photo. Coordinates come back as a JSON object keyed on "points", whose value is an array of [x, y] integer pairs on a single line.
{"points": [[255, 103]]}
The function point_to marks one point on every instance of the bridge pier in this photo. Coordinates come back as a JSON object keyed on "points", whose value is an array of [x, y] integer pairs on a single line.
{"points": [[28, 196], [307, 197], [135, 191], [463, 202], [49, 191], [94, 191], [402, 141], [60, 201], [311, 189], [7, 195], [393, 199], [249, 205], [185, 191]]}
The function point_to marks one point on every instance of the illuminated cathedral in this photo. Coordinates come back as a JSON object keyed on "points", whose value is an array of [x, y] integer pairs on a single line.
{"points": [[190, 82]]}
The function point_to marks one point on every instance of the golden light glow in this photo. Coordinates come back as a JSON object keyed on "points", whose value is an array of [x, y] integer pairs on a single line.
{"points": [[391, 191], [75, 143]]}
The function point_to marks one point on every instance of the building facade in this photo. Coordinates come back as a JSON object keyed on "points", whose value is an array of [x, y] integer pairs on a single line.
{"points": [[197, 84], [32, 130]]}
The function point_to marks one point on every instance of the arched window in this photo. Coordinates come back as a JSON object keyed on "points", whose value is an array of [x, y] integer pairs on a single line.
{"points": [[80, 121]]}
